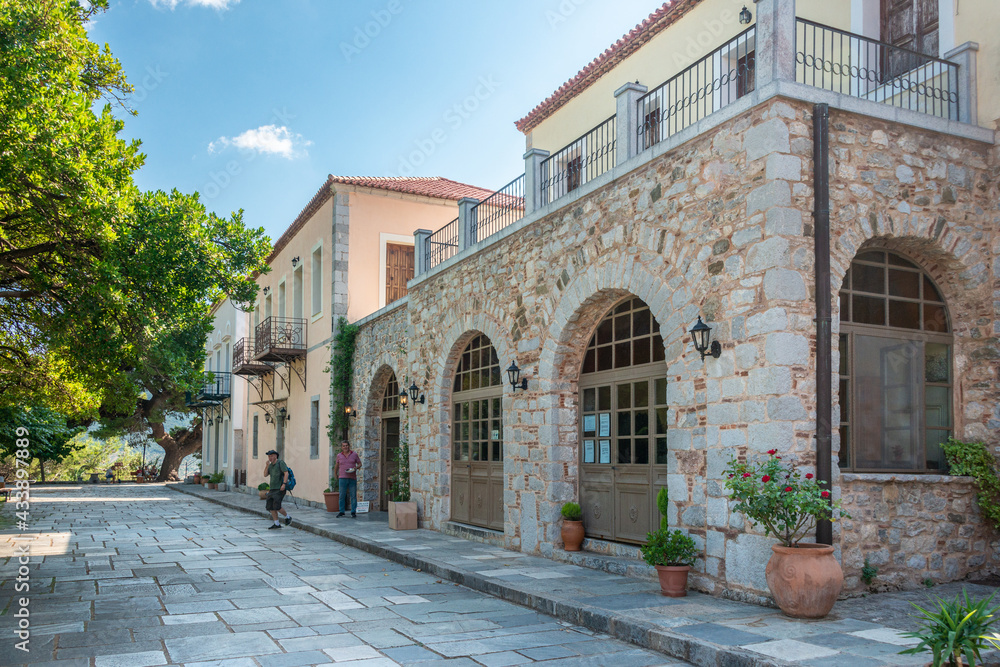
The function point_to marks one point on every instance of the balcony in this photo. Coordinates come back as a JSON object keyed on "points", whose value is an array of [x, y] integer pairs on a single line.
{"points": [[243, 361], [279, 340], [216, 389], [784, 55]]}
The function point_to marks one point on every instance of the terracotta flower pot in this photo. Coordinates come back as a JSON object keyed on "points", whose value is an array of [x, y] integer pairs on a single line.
{"points": [[212, 486], [332, 500], [197, 479], [262, 494], [673, 580], [805, 580], [572, 535]]}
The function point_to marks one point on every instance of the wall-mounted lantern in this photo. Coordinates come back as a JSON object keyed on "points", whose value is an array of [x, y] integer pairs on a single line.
{"points": [[295, 261], [404, 399], [350, 411], [283, 413], [414, 392], [745, 16], [513, 375], [701, 334]]}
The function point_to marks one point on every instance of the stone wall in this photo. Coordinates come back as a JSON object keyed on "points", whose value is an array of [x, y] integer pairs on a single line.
{"points": [[913, 528], [718, 226]]}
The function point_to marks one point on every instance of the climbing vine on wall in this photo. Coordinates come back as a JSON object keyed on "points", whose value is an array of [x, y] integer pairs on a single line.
{"points": [[342, 371]]}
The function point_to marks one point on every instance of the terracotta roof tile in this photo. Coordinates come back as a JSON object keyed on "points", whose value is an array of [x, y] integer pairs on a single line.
{"points": [[654, 24], [429, 186]]}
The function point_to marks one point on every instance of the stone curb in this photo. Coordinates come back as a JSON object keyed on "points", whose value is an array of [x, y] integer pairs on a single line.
{"points": [[644, 635]]}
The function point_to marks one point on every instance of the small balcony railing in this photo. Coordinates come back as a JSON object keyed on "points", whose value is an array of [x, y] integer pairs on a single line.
{"points": [[442, 244], [216, 388], [581, 161], [868, 69], [502, 208], [279, 339], [243, 361]]}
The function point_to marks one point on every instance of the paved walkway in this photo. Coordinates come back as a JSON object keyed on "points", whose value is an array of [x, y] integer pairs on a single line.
{"points": [[140, 576], [704, 630]]}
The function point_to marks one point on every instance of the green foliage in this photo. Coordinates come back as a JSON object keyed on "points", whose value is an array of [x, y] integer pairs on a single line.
{"points": [[663, 504], [48, 437], [399, 480], [263, 486], [342, 368], [928, 582], [668, 547], [89, 455], [955, 630], [778, 498], [974, 460], [217, 477], [572, 512], [868, 573]]}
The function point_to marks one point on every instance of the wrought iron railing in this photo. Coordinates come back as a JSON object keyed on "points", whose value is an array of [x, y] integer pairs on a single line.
{"points": [[278, 333], [853, 65], [713, 82], [579, 162], [217, 386], [242, 352], [503, 207], [441, 245]]}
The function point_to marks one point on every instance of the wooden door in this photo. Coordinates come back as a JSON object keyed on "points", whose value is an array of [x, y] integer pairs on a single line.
{"points": [[388, 464], [398, 270], [911, 25]]}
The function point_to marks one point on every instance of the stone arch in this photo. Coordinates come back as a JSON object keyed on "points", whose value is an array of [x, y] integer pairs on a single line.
{"points": [[372, 416]]}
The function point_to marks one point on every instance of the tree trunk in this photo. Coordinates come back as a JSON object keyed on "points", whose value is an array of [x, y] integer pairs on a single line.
{"points": [[176, 448]]}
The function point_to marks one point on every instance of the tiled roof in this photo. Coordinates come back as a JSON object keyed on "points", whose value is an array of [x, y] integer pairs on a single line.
{"points": [[429, 186], [657, 22]]}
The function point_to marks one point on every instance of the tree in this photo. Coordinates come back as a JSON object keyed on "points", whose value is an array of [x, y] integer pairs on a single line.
{"points": [[65, 192], [49, 437]]}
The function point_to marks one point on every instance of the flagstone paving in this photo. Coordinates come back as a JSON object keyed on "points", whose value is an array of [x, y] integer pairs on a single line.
{"points": [[141, 576]]}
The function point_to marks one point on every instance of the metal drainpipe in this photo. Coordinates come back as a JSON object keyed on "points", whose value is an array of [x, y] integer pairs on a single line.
{"points": [[824, 337]]}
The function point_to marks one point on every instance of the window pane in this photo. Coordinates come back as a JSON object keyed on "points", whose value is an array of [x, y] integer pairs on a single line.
{"points": [[886, 419], [604, 332], [872, 256], [661, 421], [474, 380], [868, 278], [623, 354], [869, 310], [640, 351], [622, 307], [935, 318], [658, 353], [661, 451], [660, 389], [935, 455], [623, 327], [475, 409], [899, 261], [904, 283], [589, 362], [845, 311], [642, 423], [604, 358], [938, 406], [640, 322], [845, 400], [641, 391], [589, 400], [625, 451], [845, 447], [624, 396], [904, 314], [465, 410], [937, 362], [624, 423], [642, 450], [843, 354], [604, 398], [930, 292]]}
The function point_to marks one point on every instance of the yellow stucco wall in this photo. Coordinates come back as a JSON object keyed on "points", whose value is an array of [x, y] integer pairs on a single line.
{"points": [[977, 21]]}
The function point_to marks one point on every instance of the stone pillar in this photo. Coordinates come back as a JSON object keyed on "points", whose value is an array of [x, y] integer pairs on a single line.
{"points": [[533, 199], [627, 121], [466, 222], [421, 251], [964, 56], [775, 41]]}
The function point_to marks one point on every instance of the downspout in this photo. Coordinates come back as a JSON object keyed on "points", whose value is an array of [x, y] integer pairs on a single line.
{"points": [[824, 337]]}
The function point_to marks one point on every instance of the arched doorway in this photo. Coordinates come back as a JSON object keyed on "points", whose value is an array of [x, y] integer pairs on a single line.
{"points": [[389, 439], [896, 378], [623, 424], [477, 437]]}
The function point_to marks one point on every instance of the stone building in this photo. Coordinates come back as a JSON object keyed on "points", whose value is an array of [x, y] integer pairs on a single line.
{"points": [[696, 198]]}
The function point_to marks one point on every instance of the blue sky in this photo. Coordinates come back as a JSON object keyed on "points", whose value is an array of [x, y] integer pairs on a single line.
{"points": [[252, 103]]}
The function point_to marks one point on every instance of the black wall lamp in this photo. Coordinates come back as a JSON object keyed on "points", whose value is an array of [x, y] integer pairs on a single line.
{"points": [[283, 413], [414, 391], [745, 16], [266, 290], [404, 399], [701, 334], [350, 411], [295, 261], [513, 373], [267, 417], [210, 422]]}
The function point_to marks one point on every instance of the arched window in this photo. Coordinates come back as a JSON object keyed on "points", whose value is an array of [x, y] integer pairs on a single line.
{"points": [[623, 424], [895, 366], [477, 437], [390, 438]]}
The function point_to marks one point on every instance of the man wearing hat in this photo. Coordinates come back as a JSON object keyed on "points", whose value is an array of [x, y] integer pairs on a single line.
{"points": [[278, 472]]}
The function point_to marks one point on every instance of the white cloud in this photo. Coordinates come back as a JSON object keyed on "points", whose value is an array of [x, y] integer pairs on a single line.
{"points": [[269, 139], [214, 4]]}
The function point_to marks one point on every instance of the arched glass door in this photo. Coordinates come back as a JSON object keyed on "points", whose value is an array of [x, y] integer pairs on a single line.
{"points": [[477, 437], [389, 439]]}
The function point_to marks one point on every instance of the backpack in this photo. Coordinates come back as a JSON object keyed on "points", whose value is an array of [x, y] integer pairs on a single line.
{"points": [[290, 484]]}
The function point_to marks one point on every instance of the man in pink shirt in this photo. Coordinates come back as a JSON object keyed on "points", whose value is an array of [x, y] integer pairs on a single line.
{"points": [[345, 469]]}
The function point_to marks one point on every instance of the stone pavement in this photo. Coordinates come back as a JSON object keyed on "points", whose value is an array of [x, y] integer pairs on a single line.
{"points": [[704, 630], [140, 576]]}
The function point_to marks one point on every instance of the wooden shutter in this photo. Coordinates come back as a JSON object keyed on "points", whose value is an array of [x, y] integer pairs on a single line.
{"points": [[398, 270], [909, 24]]}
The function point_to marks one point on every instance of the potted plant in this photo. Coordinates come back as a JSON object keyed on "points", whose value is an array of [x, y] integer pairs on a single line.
{"points": [[957, 630], [402, 512], [672, 553], [572, 526], [206, 479], [213, 481], [804, 578], [197, 477], [331, 497], [262, 490]]}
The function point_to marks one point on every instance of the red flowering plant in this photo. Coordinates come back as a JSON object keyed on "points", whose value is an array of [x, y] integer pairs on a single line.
{"points": [[775, 496]]}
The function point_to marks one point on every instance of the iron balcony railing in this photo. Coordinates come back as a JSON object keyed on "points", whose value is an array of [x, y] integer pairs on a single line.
{"points": [[218, 386], [441, 245], [579, 162], [713, 82], [502, 208], [853, 65], [277, 338]]}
